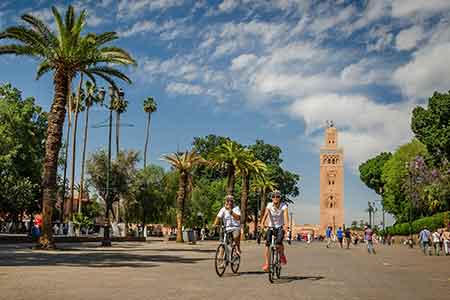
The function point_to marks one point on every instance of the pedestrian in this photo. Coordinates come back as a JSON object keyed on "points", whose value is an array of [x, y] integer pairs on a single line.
{"points": [[309, 237], [202, 233], [424, 238], [368, 236], [348, 237], [340, 236], [446, 238], [436, 242], [328, 235]]}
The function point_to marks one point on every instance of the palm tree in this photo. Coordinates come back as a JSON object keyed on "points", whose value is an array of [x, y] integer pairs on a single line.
{"points": [[149, 107], [247, 167], [65, 53], [90, 99], [184, 163], [79, 98], [263, 184], [120, 106], [228, 156]]}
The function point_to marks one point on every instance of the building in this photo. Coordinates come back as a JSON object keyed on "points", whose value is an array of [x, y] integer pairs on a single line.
{"points": [[331, 181]]}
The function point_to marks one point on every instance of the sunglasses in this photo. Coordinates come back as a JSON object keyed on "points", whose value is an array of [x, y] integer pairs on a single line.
{"points": [[276, 196]]}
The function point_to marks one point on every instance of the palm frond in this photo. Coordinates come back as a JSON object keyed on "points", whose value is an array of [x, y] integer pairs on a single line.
{"points": [[43, 68], [17, 50], [110, 72]]}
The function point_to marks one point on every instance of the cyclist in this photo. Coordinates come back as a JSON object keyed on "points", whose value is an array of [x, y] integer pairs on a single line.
{"points": [[277, 214], [231, 216]]}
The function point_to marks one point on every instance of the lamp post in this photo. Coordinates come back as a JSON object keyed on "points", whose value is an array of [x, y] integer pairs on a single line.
{"points": [[408, 168]]}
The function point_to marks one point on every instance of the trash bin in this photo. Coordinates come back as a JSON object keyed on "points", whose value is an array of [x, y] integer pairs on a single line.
{"points": [[189, 236]]}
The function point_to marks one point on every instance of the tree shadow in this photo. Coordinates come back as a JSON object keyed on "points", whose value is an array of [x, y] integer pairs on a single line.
{"points": [[90, 259]]}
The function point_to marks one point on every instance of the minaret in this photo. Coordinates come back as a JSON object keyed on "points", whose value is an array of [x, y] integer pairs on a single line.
{"points": [[331, 181]]}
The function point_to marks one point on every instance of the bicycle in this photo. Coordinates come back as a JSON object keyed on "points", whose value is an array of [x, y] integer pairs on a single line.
{"points": [[226, 254], [274, 258]]}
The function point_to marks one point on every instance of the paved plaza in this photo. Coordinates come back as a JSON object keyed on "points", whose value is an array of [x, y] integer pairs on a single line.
{"points": [[166, 270]]}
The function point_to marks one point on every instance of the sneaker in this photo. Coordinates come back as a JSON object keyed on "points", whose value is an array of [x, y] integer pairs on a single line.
{"points": [[265, 267], [283, 259]]}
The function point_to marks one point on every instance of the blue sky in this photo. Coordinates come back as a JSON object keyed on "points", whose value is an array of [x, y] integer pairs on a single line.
{"points": [[273, 70]]}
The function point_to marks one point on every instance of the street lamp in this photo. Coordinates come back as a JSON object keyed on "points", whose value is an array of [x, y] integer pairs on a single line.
{"points": [[408, 168]]}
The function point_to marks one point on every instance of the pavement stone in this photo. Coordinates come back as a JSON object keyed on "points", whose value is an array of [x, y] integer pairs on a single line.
{"points": [[167, 270]]}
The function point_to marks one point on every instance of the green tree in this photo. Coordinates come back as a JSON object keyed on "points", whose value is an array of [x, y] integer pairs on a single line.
{"points": [[205, 147], [371, 171], [394, 174], [123, 170], [262, 185], [77, 109], [247, 167], [149, 108], [228, 156], [120, 106], [184, 163], [431, 126], [91, 98], [66, 53], [22, 134]]}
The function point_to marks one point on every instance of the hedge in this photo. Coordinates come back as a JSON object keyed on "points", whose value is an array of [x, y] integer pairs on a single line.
{"points": [[432, 223]]}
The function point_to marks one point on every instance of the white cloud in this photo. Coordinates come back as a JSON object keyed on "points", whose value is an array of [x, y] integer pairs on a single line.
{"points": [[408, 8], [326, 22], [365, 71], [184, 89], [139, 27], [366, 127], [425, 73], [374, 10], [381, 38], [243, 61], [131, 9], [407, 39], [228, 5]]}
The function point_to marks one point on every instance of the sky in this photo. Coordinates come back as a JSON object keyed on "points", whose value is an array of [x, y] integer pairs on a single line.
{"points": [[273, 70]]}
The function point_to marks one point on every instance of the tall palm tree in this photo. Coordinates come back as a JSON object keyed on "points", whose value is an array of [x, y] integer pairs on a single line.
{"points": [[91, 98], [228, 156], [261, 185], [247, 167], [184, 163], [77, 108], [66, 156], [120, 106], [149, 107], [66, 53]]}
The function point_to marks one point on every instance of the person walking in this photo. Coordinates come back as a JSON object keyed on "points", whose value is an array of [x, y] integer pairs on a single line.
{"points": [[446, 238], [368, 236], [328, 236], [436, 242], [424, 238], [348, 237], [340, 236]]}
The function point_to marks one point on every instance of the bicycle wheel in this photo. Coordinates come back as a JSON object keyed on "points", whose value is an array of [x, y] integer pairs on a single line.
{"points": [[235, 260], [278, 266], [220, 262], [272, 265]]}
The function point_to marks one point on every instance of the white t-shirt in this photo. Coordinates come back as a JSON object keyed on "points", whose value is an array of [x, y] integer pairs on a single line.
{"points": [[436, 237], [276, 215], [228, 220]]}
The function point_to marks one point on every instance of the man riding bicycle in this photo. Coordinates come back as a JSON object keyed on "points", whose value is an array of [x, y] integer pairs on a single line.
{"points": [[231, 216], [278, 215]]}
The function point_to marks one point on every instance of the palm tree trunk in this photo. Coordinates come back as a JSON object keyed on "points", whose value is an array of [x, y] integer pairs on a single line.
{"points": [[66, 154], [52, 147], [244, 202], [83, 159], [231, 180], [117, 132], [263, 202], [180, 205], [146, 139], [74, 148]]}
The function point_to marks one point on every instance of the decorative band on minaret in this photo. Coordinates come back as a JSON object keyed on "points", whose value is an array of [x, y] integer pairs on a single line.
{"points": [[331, 181]]}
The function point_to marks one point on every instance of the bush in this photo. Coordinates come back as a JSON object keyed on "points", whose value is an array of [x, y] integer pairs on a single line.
{"points": [[432, 223]]}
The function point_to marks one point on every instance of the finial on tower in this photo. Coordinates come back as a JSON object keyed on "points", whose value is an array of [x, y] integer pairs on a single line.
{"points": [[330, 123]]}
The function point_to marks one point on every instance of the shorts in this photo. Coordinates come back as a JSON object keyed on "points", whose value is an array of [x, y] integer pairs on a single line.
{"points": [[279, 236], [235, 233]]}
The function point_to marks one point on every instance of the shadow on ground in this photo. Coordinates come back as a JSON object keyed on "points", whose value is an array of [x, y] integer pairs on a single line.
{"points": [[90, 259], [283, 279]]}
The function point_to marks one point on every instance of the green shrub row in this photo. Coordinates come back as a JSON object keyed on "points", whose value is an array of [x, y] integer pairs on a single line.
{"points": [[432, 223]]}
